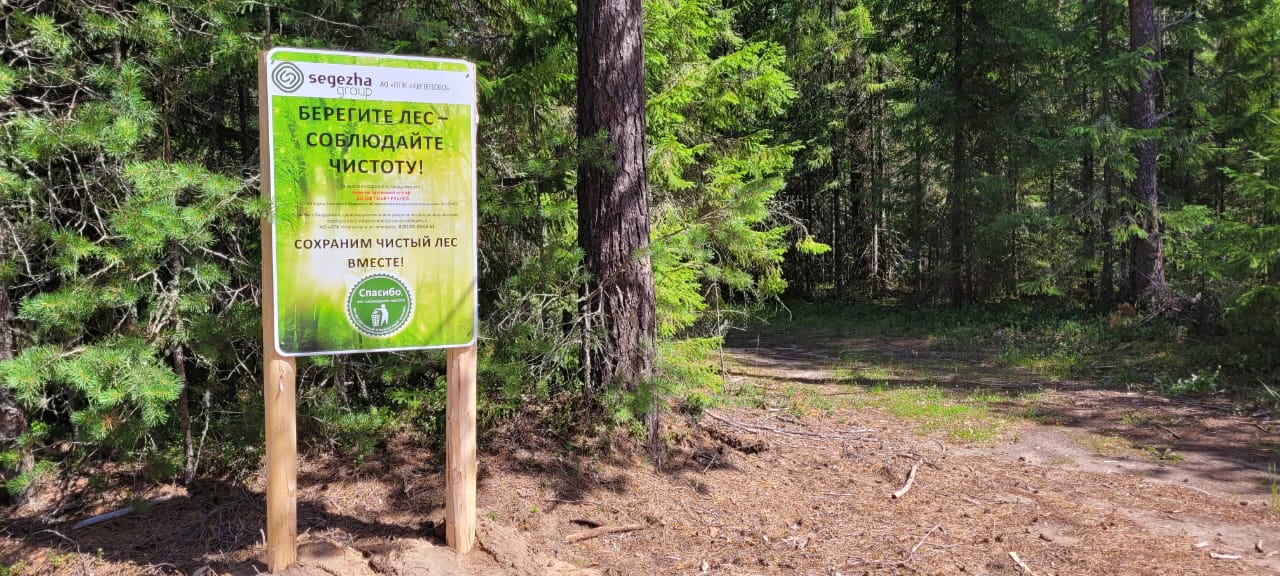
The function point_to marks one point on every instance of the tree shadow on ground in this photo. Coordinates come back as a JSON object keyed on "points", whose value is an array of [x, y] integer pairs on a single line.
{"points": [[1175, 437], [219, 524]]}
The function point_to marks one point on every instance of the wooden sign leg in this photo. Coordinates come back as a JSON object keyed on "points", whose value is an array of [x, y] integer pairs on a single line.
{"points": [[281, 426], [278, 385], [460, 450], [282, 461]]}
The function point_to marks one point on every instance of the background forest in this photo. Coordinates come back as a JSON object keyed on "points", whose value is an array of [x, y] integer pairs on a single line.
{"points": [[1110, 166]]}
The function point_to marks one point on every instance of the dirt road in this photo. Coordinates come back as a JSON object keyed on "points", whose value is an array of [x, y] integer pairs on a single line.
{"points": [[1012, 475]]}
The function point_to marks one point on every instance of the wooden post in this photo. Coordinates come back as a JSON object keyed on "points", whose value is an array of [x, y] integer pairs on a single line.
{"points": [[460, 450], [279, 380]]}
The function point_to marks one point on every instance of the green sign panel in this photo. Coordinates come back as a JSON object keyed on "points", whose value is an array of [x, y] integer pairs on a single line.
{"points": [[373, 180]]}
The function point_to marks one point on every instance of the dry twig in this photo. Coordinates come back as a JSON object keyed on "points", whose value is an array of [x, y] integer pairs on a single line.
{"points": [[1021, 564], [601, 531], [911, 479], [788, 432], [920, 543], [1171, 432]]}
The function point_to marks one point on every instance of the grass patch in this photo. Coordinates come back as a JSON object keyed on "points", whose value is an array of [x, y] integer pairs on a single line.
{"points": [[932, 410], [1159, 453], [873, 373], [1144, 418], [801, 401], [1106, 445], [1032, 410]]}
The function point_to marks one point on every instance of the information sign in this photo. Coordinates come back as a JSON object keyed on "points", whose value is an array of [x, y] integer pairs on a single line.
{"points": [[373, 181]]}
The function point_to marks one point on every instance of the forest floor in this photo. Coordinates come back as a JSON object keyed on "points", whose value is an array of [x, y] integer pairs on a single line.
{"points": [[793, 470]]}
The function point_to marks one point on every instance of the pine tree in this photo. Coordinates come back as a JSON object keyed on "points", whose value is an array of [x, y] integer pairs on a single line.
{"points": [[613, 191], [1147, 274]]}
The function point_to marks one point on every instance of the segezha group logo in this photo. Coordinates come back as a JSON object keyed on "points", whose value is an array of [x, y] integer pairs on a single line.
{"points": [[287, 77]]}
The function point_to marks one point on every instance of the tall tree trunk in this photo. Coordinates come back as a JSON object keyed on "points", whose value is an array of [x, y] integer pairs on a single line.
{"points": [[837, 246], [1148, 253], [184, 417], [1087, 173], [613, 191], [6, 309], [13, 422], [917, 211], [879, 269], [917, 227], [1106, 286], [958, 181], [179, 359]]}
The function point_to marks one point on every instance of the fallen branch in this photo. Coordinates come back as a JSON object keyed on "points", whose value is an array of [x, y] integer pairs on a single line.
{"points": [[921, 543], [1171, 432], [62, 536], [601, 531], [1217, 556], [803, 433], [911, 479], [1021, 564], [592, 502], [90, 521]]}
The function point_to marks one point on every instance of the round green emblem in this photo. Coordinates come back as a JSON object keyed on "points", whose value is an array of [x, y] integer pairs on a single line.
{"points": [[379, 304]]}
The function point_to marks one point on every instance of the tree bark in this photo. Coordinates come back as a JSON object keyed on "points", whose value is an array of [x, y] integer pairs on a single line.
{"points": [[837, 228], [13, 421], [1087, 172], [613, 192], [6, 311], [880, 270], [959, 292], [184, 417], [1148, 252], [1106, 286]]}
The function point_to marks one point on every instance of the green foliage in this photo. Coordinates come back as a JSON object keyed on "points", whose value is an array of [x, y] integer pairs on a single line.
{"points": [[689, 370], [355, 433], [38, 473], [716, 166], [814, 149], [112, 392], [127, 226], [1199, 383]]}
